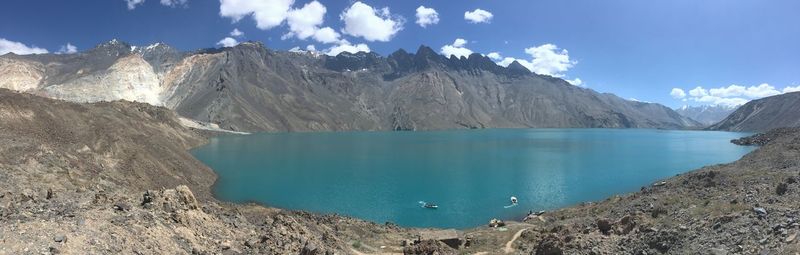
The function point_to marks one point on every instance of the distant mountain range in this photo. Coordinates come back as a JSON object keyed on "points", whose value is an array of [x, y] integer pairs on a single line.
{"points": [[251, 88], [706, 114], [764, 114]]}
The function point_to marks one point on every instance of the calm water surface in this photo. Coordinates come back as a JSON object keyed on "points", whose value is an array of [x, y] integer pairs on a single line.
{"points": [[470, 174]]}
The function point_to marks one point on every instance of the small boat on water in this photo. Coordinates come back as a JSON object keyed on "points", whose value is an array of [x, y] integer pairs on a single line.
{"points": [[513, 200], [431, 206]]}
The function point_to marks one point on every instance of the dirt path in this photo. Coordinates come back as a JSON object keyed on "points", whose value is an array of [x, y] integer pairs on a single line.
{"points": [[508, 248]]}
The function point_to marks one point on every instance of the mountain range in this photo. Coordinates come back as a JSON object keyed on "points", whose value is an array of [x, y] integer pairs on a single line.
{"points": [[252, 88], [764, 114], [706, 114]]}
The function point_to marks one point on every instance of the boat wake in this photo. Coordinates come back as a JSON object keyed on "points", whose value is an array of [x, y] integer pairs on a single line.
{"points": [[509, 206]]}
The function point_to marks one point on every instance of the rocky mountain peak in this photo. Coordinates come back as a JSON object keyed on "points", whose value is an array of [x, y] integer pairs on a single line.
{"points": [[516, 67], [112, 48]]}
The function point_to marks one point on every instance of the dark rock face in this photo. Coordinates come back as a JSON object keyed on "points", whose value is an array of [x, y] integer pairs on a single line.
{"points": [[258, 89], [764, 114], [252, 88]]}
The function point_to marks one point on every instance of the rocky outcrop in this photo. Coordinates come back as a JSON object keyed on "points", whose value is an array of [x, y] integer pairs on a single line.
{"points": [[764, 114]]}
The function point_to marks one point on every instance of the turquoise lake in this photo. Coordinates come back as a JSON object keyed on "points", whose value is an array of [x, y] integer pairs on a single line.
{"points": [[470, 174]]}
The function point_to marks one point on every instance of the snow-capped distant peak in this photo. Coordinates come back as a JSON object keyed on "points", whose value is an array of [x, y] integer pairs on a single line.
{"points": [[153, 46]]}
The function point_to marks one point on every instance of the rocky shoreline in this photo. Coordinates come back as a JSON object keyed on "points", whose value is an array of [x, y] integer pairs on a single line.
{"points": [[117, 178]]}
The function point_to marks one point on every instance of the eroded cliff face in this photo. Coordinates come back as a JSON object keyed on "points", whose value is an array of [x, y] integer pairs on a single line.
{"points": [[20, 75], [130, 78]]}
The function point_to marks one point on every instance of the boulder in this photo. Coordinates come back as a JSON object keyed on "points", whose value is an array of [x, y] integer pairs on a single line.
{"points": [[604, 226], [781, 189]]}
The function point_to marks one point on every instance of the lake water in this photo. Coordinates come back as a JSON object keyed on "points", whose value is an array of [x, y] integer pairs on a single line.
{"points": [[469, 174]]}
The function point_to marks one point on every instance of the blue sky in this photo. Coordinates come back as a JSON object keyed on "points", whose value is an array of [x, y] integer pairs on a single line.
{"points": [[635, 49]]}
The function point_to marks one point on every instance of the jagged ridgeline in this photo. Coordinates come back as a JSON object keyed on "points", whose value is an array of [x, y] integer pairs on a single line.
{"points": [[252, 88]]}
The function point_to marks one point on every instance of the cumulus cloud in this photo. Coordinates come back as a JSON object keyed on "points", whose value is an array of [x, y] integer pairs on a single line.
{"points": [[698, 92], [550, 60], [266, 13], [576, 81], [547, 59], [478, 16], [237, 33], [304, 22], [762, 90], [791, 89], [326, 35], [228, 42], [427, 16], [345, 46], [311, 47], [173, 3], [457, 49], [133, 3], [677, 93], [733, 95], [19, 48], [67, 49], [495, 56], [361, 20]]}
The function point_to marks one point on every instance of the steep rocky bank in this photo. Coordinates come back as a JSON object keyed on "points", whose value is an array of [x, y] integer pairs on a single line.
{"points": [[116, 178]]}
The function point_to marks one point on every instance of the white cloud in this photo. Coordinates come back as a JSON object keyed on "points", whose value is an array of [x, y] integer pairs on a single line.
{"points": [[266, 13], [478, 16], [698, 92], [495, 56], [133, 3], [762, 90], [576, 81], [228, 42], [362, 20], [311, 47], [296, 49], [237, 33], [457, 49], [427, 16], [304, 22], [345, 46], [791, 89], [67, 49], [677, 93], [734, 95], [173, 3], [19, 48], [326, 35], [547, 59]]}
